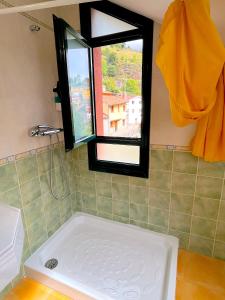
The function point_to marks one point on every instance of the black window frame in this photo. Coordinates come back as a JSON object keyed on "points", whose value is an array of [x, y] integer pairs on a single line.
{"points": [[144, 31], [60, 30]]}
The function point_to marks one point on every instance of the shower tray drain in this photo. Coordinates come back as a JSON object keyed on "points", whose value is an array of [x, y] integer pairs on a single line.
{"points": [[51, 263]]}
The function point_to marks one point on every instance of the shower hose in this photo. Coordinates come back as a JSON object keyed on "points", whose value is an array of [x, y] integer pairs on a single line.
{"points": [[66, 190]]}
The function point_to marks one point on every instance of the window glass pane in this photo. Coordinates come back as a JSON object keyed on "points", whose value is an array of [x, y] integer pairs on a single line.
{"points": [[119, 153], [79, 84], [118, 89], [103, 24]]}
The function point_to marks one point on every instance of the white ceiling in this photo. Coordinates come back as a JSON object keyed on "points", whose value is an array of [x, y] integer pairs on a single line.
{"points": [[155, 9]]}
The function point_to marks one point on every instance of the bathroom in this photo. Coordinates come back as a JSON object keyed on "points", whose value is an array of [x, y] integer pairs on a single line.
{"points": [[177, 196]]}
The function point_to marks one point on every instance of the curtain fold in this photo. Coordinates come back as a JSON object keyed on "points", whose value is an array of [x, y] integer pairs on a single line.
{"points": [[191, 57]]}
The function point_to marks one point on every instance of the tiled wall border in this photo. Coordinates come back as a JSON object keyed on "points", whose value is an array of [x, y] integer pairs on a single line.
{"points": [[28, 153], [22, 155]]}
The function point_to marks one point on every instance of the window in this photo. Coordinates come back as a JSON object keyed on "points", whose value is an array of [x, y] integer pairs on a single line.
{"points": [[120, 62], [75, 84], [119, 80]]}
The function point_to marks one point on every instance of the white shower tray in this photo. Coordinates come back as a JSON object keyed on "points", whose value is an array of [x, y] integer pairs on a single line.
{"points": [[103, 259]]}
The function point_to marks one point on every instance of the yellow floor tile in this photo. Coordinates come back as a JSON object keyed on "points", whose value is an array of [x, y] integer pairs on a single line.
{"points": [[192, 291], [198, 278], [204, 270], [28, 289]]}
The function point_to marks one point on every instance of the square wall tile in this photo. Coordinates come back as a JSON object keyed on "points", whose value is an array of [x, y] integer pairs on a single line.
{"points": [[84, 170], [79, 200], [158, 217], [222, 211], [209, 187], [206, 208], [83, 152], [56, 157], [27, 168], [52, 219], [183, 183], [86, 185], [75, 154], [220, 232], [121, 219], [160, 180], [159, 199], [157, 228], [120, 179], [55, 226], [184, 162], [203, 227], [104, 188], [43, 161], [33, 211], [211, 169], [89, 201], [76, 202], [121, 208], [105, 215], [65, 208], [90, 211], [30, 190], [45, 182], [104, 204], [74, 184], [223, 193], [49, 202], [138, 194], [138, 181], [182, 203], [120, 192], [219, 250], [139, 212], [12, 197], [8, 177], [103, 176], [139, 224], [180, 222], [161, 160], [201, 245], [37, 234]]}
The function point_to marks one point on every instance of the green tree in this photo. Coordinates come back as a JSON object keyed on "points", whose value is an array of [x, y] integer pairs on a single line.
{"points": [[112, 71], [133, 87], [110, 85]]}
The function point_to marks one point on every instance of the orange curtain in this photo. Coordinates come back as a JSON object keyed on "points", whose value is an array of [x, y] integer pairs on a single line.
{"points": [[191, 57]]}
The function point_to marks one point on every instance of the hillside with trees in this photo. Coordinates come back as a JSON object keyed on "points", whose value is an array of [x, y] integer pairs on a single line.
{"points": [[122, 69]]}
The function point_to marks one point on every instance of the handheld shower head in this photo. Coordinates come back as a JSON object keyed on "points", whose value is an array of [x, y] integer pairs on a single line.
{"points": [[43, 130]]}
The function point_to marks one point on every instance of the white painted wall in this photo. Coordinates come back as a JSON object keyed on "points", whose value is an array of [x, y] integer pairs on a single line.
{"points": [[28, 73], [27, 76]]}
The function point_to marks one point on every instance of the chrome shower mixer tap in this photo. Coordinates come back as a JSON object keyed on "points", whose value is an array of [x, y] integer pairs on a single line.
{"points": [[43, 130]]}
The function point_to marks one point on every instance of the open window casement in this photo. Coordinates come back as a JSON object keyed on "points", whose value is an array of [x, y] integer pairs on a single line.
{"points": [[105, 86]]}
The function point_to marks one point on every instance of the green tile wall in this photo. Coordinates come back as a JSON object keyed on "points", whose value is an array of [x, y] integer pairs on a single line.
{"points": [[24, 183], [184, 197]]}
